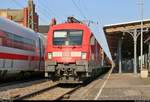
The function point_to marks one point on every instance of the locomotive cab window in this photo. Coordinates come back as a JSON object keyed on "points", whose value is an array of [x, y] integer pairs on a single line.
{"points": [[60, 37], [75, 37], [72, 37]]}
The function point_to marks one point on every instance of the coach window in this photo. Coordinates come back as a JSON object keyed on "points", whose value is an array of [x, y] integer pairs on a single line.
{"points": [[1, 41], [18, 39], [1, 38], [18, 42], [28, 44], [9, 40]]}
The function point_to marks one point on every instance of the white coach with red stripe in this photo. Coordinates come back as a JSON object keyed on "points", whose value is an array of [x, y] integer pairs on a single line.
{"points": [[21, 49]]}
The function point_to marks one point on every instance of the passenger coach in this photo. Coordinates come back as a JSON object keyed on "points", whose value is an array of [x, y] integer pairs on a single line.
{"points": [[21, 49]]}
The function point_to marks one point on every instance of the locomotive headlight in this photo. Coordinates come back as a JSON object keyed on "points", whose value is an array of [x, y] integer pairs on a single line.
{"points": [[49, 55], [83, 55]]}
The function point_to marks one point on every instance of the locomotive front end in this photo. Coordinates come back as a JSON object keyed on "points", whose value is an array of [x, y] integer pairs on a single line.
{"points": [[67, 53]]}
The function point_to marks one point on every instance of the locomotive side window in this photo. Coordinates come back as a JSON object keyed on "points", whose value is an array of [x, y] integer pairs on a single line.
{"points": [[92, 43], [92, 40], [68, 37]]}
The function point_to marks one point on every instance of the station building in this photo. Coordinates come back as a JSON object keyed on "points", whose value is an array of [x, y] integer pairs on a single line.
{"points": [[26, 16]]}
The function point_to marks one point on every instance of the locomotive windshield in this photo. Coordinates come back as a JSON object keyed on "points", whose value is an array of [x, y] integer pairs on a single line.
{"points": [[72, 37]]}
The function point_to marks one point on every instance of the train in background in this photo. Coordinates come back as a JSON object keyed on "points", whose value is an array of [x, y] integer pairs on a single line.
{"points": [[21, 49], [73, 55]]}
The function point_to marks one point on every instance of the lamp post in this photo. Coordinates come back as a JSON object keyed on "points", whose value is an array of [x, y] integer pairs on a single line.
{"points": [[144, 72], [142, 3]]}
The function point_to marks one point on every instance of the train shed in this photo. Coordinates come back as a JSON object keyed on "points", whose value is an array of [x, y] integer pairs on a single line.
{"points": [[124, 43]]}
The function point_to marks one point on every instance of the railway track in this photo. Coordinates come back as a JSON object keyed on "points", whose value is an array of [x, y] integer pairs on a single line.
{"points": [[39, 91], [56, 92], [68, 94], [15, 92], [11, 83]]}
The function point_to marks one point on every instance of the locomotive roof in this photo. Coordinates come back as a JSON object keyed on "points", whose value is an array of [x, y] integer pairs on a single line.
{"points": [[70, 23], [63, 25], [13, 27]]}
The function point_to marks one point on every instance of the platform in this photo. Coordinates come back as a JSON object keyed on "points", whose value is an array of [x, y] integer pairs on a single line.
{"points": [[126, 86], [118, 87]]}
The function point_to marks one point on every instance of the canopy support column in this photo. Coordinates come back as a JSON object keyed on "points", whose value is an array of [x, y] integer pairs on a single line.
{"points": [[120, 55]]}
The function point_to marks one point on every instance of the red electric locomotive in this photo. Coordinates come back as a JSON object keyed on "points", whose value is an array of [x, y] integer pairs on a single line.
{"points": [[72, 53]]}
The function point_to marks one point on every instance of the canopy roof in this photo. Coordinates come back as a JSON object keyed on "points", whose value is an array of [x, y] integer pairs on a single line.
{"points": [[114, 31]]}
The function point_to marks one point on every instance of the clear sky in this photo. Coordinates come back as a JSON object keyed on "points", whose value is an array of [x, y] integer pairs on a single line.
{"points": [[102, 11]]}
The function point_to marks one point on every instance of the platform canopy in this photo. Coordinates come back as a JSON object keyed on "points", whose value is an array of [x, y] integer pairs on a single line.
{"points": [[114, 32]]}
